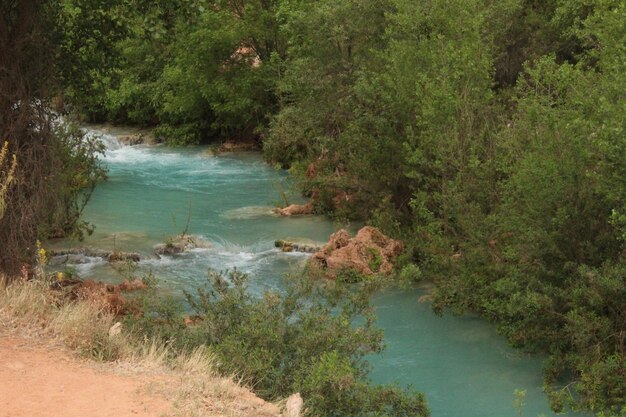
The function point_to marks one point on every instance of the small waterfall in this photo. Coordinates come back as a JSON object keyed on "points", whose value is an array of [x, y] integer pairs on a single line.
{"points": [[110, 142]]}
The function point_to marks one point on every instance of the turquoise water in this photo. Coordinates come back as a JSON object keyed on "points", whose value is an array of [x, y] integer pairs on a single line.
{"points": [[462, 366]]}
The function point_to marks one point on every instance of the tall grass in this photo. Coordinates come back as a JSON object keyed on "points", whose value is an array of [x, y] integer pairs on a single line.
{"points": [[7, 174], [83, 325], [191, 382]]}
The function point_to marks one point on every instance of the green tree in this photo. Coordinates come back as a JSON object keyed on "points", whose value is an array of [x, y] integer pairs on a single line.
{"points": [[223, 88], [85, 37], [549, 266], [422, 108], [227, 82], [328, 43], [57, 169]]}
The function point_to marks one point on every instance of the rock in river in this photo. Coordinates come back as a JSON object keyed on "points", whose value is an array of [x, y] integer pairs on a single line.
{"points": [[294, 246], [369, 252], [180, 244], [296, 210]]}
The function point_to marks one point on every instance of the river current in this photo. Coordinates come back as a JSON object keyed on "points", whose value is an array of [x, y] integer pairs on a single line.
{"points": [[460, 363]]}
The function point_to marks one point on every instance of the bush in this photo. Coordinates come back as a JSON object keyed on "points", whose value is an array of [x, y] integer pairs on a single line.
{"points": [[332, 388], [311, 339]]}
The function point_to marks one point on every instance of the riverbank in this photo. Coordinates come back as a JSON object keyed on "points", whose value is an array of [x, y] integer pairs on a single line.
{"points": [[148, 198], [72, 358]]}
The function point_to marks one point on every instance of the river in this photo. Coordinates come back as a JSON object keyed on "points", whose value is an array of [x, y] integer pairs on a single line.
{"points": [[460, 363]]}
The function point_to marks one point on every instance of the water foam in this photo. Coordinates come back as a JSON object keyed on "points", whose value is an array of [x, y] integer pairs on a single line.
{"points": [[109, 141], [83, 265]]}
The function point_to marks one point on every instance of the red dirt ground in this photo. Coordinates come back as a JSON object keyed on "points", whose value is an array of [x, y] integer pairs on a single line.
{"points": [[43, 381]]}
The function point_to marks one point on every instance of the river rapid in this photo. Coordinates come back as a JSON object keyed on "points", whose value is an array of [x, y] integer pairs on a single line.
{"points": [[460, 363]]}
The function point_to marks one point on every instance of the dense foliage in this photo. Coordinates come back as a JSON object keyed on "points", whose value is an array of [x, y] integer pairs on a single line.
{"points": [[190, 67], [491, 138], [55, 168], [488, 135], [312, 339]]}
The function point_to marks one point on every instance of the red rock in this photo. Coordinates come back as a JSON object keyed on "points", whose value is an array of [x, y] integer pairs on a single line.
{"points": [[296, 210], [134, 285], [100, 293], [191, 320], [311, 171], [109, 296], [369, 252], [339, 239], [342, 199]]}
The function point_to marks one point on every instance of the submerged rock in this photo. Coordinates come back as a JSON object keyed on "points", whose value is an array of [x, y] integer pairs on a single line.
{"points": [[141, 138], [124, 257], [296, 209], [85, 255], [369, 252], [181, 244], [292, 246], [249, 212]]}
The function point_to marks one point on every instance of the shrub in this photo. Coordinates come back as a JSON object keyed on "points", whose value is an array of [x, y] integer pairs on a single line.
{"points": [[310, 339]]}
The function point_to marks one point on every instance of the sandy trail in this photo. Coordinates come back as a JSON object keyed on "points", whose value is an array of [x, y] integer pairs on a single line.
{"points": [[41, 381]]}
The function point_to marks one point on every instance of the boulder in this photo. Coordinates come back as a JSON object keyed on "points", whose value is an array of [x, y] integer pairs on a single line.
{"points": [[296, 209], [131, 140], [181, 244], [369, 252], [293, 406], [106, 295], [339, 239], [115, 330], [109, 296], [117, 256], [141, 138], [169, 248], [292, 246]]}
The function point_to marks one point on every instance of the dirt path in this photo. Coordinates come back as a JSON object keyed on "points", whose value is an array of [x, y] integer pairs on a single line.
{"points": [[43, 381]]}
